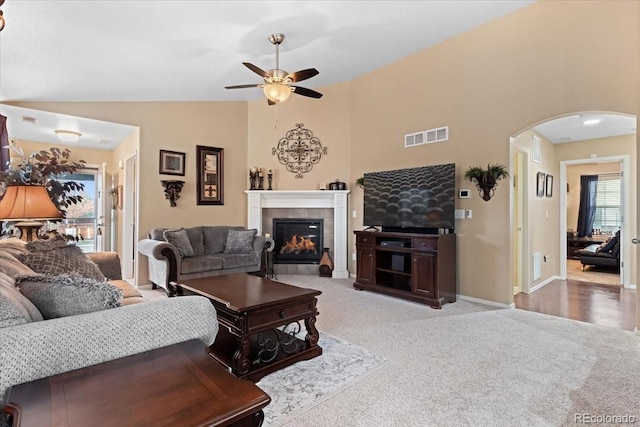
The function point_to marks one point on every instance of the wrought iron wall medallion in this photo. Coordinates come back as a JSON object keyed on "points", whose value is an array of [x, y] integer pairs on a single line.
{"points": [[299, 150]]}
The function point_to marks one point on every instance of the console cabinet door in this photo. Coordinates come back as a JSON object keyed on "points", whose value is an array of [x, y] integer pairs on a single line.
{"points": [[423, 274], [366, 268]]}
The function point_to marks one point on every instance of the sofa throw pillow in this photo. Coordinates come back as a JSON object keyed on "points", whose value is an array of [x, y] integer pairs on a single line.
{"points": [[13, 245], [68, 294], [240, 241], [9, 284], [12, 312], [12, 266], [56, 262], [62, 246], [180, 239]]}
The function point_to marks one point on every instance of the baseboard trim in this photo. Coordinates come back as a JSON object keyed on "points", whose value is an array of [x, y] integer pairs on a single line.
{"points": [[486, 302], [545, 282]]}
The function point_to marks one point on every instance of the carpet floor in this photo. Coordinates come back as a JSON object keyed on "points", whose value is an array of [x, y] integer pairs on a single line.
{"points": [[470, 365]]}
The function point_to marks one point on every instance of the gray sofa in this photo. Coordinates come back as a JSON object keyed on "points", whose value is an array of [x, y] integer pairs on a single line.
{"points": [[208, 253], [32, 348]]}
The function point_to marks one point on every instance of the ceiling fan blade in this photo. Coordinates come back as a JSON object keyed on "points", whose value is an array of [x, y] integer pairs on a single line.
{"points": [[298, 76], [306, 92], [242, 86], [259, 71]]}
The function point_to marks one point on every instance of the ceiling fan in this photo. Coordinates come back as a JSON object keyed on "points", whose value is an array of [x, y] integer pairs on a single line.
{"points": [[277, 84]]}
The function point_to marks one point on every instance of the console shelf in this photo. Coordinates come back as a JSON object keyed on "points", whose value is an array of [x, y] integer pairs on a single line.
{"points": [[416, 267]]}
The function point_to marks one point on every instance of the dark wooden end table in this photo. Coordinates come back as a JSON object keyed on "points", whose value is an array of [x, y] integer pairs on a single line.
{"points": [[175, 385], [259, 319]]}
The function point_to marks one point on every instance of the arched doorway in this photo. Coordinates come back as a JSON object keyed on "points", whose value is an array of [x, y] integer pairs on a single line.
{"points": [[539, 250]]}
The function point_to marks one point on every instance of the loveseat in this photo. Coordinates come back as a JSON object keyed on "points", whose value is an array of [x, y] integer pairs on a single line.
{"points": [[33, 346], [604, 255], [202, 251]]}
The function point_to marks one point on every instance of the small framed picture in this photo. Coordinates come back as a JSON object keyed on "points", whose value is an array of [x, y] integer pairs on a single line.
{"points": [[171, 163], [540, 184], [549, 186], [210, 180]]}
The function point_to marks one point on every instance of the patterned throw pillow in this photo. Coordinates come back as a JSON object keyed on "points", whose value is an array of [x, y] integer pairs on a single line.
{"points": [[61, 246], [240, 241], [68, 294], [55, 263], [180, 239]]}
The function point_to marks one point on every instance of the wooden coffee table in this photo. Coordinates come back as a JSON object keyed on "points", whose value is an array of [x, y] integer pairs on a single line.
{"points": [[175, 385], [258, 322]]}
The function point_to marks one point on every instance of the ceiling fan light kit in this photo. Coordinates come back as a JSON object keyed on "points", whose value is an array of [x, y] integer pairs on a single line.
{"points": [[277, 86], [277, 92]]}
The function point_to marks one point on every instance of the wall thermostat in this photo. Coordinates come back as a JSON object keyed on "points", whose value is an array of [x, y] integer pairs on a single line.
{"points": [[463, 194]]}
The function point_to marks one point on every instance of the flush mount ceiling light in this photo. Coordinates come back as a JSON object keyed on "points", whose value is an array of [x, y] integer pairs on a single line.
{"points": [[68, 135], [591, 122], [277, 84]]}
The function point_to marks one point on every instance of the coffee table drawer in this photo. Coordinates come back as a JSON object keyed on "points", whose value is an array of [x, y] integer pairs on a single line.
{"points": [[281, 315]]}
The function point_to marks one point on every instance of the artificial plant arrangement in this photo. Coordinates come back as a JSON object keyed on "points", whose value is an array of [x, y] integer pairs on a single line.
{"points": [[44, 168], [486, 179]]}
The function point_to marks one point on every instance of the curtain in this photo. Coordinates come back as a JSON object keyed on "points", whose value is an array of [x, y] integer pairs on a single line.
{"points": [[4, 143], [587, 210]]}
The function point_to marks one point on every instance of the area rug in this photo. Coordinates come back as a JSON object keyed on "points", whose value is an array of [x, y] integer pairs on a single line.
{"points": [[300, 387]]}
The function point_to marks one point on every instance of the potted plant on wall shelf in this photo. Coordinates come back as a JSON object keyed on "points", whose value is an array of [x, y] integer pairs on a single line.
{"points": [[486, 179]]}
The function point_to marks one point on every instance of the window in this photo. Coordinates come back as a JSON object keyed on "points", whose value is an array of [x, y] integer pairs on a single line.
{"points": [[608, 203], [81, 217]]}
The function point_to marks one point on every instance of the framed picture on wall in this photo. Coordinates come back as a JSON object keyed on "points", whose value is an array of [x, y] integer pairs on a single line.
{"points": [[171, 163], [540, 184], [549, 186], [210, 183]]}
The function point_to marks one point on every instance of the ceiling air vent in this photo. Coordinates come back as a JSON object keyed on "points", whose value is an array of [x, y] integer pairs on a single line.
{"points": [[426, 137], [565, 139]]}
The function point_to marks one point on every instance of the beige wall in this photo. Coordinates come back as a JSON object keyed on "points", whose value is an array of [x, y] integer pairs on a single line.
{"points": [[91, 156], [543, 212], [329, 120], [177, 126], [545, 60]]}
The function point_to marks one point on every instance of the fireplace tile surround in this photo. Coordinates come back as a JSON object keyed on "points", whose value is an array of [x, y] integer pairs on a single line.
{"points": [[331, 206]]}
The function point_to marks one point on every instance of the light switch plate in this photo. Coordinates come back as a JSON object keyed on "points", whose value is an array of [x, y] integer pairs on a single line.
{"points": [[459, 213]]}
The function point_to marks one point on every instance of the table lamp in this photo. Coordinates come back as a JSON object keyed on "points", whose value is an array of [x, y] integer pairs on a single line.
{"points": [[28, 204]]}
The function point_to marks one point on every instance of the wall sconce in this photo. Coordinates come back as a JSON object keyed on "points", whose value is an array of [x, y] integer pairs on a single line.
{"points": [[172, 191]]}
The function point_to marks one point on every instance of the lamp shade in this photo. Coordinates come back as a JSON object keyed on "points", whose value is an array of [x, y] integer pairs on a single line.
{"points": [[27, 202], [277, 92]]}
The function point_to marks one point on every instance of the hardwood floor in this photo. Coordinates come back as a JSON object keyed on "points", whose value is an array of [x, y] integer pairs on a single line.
{"points": [[606, 305]]}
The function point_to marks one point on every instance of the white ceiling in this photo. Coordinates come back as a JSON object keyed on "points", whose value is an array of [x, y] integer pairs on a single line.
{"points": [[113, 50], [573, 128]]}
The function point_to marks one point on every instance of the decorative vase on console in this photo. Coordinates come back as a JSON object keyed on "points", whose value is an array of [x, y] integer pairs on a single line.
{"points": [[326, 264]]}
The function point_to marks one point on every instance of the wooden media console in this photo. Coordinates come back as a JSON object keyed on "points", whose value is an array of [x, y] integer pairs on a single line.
{"points": [[416, 267]]}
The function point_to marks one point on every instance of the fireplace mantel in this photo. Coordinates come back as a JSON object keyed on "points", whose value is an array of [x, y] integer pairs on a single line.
{"points": [[336, 200]]}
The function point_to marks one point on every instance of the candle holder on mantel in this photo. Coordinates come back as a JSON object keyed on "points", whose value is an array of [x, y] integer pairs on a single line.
{"points": [[172, 191]]}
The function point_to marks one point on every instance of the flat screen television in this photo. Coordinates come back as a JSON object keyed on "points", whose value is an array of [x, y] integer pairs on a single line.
{"points": [[420, 199]]}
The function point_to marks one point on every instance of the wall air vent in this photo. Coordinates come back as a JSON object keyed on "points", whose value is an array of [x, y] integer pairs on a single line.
{"points": [[426, 137], [565, 139]]}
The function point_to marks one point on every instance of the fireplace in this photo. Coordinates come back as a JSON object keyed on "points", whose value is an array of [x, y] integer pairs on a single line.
{"points": [[297, 240]]}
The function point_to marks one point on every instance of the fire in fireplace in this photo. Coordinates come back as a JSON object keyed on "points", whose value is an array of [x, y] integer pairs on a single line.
{"points": [[297, 240]]}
